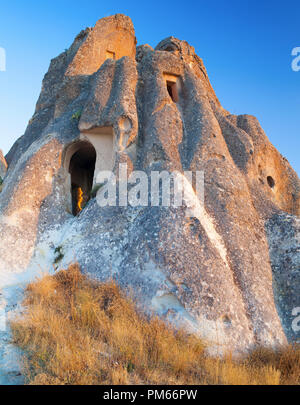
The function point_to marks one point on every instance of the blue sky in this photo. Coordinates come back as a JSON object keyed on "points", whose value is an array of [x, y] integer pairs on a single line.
{"points": [[246, 47]]}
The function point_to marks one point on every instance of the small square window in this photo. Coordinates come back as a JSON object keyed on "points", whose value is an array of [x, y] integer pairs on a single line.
{"points": [[172, 90], [110, 55]]}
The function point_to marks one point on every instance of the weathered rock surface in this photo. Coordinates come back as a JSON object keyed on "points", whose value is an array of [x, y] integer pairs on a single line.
{"points": [[208, 267], [283, 233], [10, 365], [3, 165]]}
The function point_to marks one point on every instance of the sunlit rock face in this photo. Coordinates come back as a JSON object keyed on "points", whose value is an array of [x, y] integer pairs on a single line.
{"points": [[3, 165], [106, 102]]}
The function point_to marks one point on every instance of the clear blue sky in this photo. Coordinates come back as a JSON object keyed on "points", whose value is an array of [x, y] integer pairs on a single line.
{"points": [[246, 47]]}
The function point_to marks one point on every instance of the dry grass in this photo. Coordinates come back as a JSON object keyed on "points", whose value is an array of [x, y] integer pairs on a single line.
{"points": [[78, 331]]}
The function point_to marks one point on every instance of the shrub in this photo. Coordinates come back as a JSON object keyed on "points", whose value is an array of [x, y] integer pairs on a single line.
{"points": [[79, 331], [58, 254], [76, 116]]}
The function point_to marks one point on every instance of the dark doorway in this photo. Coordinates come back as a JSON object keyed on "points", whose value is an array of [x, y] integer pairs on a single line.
{"points": [[82, 167]]}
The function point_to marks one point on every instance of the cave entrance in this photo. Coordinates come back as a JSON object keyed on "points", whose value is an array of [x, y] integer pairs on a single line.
{"points": [[81, 169]]}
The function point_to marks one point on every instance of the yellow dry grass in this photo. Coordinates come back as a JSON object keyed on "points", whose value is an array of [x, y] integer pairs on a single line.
{"points": [[78, 331]]}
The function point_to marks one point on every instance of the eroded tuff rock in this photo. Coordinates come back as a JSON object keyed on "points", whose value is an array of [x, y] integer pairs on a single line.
{"points": [[283, 233], [106, 102], [3, 165]]}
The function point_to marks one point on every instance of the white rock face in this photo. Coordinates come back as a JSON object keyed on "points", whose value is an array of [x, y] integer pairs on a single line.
{"points": [[10, 365]]}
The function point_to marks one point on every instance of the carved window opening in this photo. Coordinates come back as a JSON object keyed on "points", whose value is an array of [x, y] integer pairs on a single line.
{"points": [[271, 182], [172, 90], [110, 55], [172, 83]]}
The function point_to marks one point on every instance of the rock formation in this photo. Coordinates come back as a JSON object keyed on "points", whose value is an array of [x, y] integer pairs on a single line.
{"points": [[3, 165], [105, 102]]}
